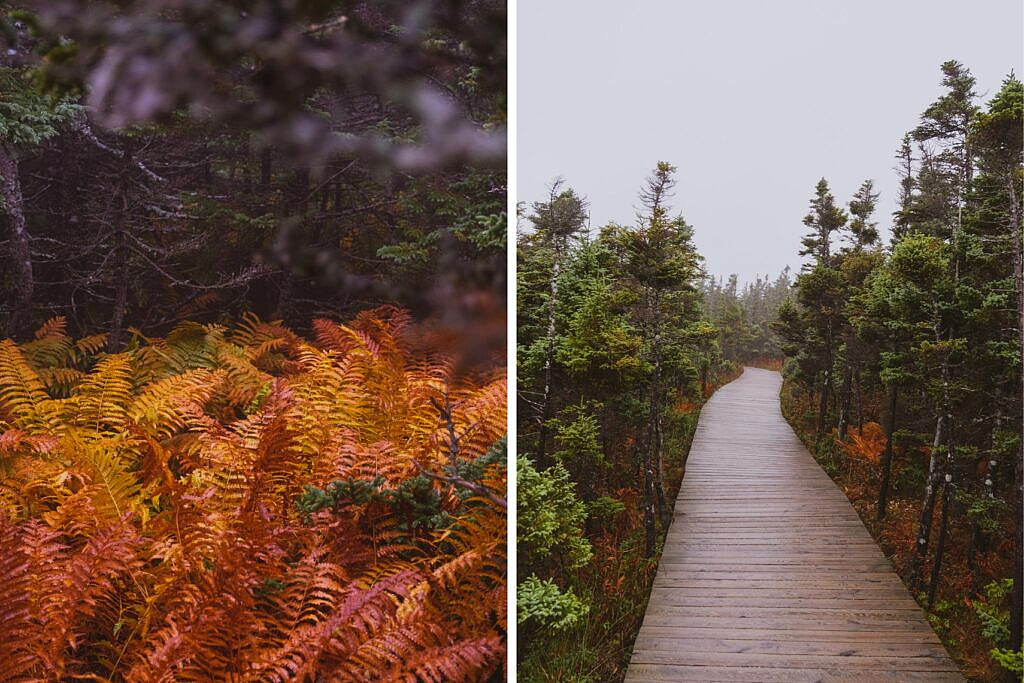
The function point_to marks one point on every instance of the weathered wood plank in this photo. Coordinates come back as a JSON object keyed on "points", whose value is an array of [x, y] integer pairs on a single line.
{"points": [[768, 574]]}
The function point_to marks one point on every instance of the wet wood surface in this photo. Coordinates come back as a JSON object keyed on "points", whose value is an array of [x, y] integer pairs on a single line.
{"points": [[768, 574]]}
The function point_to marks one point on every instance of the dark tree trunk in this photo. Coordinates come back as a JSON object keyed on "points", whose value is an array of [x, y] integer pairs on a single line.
{"points": [[978, 537], [324, 198], [247, 167], [940, 548], [826, 384], [890, 429], [972, 553], [265, 169], [860, 401], [295, 215], [1017, 593], [285, 296], [120, 217], [844, 404], [20, 252], [120, 294], [823, 407]]}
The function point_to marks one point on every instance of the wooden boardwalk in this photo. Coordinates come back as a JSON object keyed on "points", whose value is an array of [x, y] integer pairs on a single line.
{"points": [[768, 573]]}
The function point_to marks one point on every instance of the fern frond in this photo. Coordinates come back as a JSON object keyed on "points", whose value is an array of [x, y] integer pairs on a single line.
{"points": [[87, 347], [18, 634], [167, 406], [55, 327], [465, 660], [111, 485], [245, 382], [189, 346], [60, 382], [89, 579], [51, 347], [358, 615], [100, 401], [16, 441], [22, 393]]}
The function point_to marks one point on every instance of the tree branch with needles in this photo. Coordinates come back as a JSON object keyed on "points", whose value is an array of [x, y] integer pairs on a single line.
{"points": [[452, 468]]}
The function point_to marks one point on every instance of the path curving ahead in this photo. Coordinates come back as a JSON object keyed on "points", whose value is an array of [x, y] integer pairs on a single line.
{"points": [[768, 573]]}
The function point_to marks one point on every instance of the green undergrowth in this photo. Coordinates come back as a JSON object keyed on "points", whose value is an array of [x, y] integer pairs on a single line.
{"points": [[584, 633]]}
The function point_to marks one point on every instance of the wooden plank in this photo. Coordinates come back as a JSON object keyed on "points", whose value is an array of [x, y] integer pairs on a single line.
{"points": [[834, 648], [768, 573], [781, 635], [936, 662], [660, 673]]}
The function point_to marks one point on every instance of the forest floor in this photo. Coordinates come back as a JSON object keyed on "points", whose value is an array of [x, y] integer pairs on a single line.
{"points": [[953, 614]]}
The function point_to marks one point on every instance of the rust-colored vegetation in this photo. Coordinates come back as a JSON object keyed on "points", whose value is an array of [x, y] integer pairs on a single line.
{"points": [[971, 564], [866, 443], [243, 504]]}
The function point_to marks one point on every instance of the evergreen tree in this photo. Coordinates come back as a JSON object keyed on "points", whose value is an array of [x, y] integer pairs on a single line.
{"points": [[558, 222]]}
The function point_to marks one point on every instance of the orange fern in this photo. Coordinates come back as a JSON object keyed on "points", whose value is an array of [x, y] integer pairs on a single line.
{"points": [[866, 443], [242, 504]]}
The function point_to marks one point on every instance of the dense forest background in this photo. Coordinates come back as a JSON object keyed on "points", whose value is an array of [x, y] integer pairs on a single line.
{"points": [[164, 161], [252, 390], [903, 365]]}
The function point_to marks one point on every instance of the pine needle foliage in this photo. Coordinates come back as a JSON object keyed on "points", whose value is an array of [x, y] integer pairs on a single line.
{"points": [[246, 505]]}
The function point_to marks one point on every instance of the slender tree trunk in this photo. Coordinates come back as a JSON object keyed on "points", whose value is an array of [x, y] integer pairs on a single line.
{"points": [[120, 217], [20, 249], [977, 535], [549, 356], [654, 418], [860, 401], [972, 554], [823, 407], [649, 527], [1017, 594], [826, 384], [940, 548], [120, 295], [928, 503], [844, 404], [890, 429], [266, 169]]}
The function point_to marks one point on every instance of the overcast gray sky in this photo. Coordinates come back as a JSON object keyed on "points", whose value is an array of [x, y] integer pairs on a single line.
{"points": [[753, 101]]}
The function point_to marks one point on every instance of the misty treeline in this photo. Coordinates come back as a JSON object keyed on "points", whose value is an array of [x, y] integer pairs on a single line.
{"points": [[745, 317], [165, 160], [904, 363], [616, 353]]}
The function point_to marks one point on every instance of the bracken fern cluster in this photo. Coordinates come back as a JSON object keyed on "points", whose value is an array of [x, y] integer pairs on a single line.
{"points": [[245, 505]]}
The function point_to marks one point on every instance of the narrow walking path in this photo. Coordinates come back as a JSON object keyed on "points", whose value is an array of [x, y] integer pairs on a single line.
{"points": [[768, 573]]}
